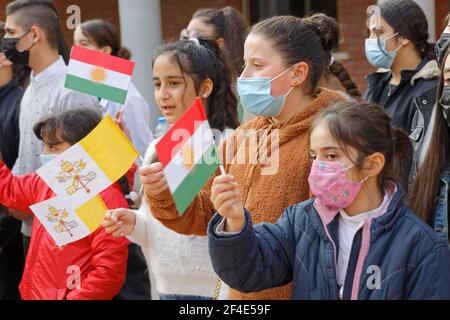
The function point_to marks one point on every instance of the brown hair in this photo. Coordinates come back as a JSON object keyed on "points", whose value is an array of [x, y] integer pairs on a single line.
{"points": [[43, 14], [330, 30], [230, 25], [104, 34], [366, 128], [426, 185]]}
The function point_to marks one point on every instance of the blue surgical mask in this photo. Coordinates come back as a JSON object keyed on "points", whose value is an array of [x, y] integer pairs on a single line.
{"points": [[255, 95], [377, 54], [47, 158]]}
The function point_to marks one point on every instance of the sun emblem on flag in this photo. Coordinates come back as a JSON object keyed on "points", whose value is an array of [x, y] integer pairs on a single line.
{"points": [[98, 74], [59, 216], [188, 156], [72, 171]]}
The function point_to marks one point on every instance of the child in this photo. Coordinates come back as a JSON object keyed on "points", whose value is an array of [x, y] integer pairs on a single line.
{"points": [[98, 260], [356, 240], [182, 71]]}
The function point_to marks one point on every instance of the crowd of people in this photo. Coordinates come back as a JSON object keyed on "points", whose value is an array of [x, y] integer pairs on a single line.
{"points": [[358, 205]]}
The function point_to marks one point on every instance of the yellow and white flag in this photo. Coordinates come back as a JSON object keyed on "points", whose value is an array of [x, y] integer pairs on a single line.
{"points": [[67, 221], [92, 165]]}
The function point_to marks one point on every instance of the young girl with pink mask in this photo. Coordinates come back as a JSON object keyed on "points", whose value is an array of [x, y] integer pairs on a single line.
{"points": [[355, 240]]}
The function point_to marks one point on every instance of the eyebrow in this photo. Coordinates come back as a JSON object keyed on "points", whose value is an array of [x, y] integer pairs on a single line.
{"points": [[446, 70], [169, 77]]}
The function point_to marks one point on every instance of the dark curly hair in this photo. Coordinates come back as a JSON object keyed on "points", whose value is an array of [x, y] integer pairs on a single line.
{"points": [[201, 61]]}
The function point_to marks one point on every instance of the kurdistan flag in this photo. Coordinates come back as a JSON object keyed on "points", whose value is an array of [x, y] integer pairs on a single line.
{"points": [[92, 165], [188, 155], [98, 74], [67, 221]]}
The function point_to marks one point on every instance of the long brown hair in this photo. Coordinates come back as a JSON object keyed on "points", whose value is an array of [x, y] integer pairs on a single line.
{"points": [[426, 185], [367, 128]]}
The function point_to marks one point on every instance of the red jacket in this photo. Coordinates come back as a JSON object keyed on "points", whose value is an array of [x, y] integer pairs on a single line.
{"points": [[99, 261]]}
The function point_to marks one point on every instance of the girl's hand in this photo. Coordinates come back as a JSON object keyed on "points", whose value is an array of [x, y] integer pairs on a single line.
{"points": [[119, 222], [118, 119], [226, 198], [153, 179]]}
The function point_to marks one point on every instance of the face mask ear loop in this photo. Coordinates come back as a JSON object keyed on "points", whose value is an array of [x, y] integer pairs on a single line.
{"points": [[384, 50], [282, 74]]}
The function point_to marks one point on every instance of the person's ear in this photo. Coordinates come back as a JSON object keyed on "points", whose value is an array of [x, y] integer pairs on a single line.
{"points": [[206, 89], [300, 74], [106, 49], [220, 43], [374, 165], [404, 42], [36, 34]]}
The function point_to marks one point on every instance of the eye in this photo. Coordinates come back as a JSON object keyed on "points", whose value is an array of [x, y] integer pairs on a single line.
{"points": [[331, 156], [312, 157], [447, 82], [157, 84], [174, 84]]}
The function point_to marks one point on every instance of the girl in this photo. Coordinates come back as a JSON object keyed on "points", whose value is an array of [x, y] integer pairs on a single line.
{"points": [[182, 71], [284, 58], [429, 195], [101, 35], [407, 77], [100, 259], [356, 240], [228, 28]]}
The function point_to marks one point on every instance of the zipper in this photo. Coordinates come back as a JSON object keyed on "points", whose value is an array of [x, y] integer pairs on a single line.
{"points": [[327, 231], [352, 264]]}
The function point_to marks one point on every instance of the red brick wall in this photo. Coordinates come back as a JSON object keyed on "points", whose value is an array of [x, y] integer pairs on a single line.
{"points": [[352, 17], [90, 9], [176, 14], [442, 9]]}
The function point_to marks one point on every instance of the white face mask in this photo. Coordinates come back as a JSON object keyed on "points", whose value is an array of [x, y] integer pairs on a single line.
{"points": [[47, 158]]}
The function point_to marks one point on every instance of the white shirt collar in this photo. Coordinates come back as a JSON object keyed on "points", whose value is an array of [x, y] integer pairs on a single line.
{"points": [[56, 67], [360, 218]]}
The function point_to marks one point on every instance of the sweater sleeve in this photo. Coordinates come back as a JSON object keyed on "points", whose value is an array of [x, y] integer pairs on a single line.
{"points": [[197, 216], [17, 192], [140, 233]]}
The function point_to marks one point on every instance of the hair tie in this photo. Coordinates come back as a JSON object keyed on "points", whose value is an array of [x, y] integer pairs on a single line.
{"points": [[196, 41], [332, 61]]}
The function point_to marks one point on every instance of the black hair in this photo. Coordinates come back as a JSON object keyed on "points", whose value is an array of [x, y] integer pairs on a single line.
{"points": [[202, 60], [43, 14]]}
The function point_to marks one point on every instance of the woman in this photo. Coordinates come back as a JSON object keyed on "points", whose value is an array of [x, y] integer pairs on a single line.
{"points": [[406, 80]]}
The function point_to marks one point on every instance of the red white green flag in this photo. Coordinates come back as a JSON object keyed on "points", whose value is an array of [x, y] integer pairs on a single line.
{"points": [[99, 74], [188, 155]]}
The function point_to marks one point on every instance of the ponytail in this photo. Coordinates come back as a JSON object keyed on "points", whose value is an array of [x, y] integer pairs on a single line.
{"points": [[338, 70]]}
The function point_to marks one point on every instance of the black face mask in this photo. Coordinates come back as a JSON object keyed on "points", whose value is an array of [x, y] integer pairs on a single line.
{"points": [[12, 54], [445, 103], [441, 48]]}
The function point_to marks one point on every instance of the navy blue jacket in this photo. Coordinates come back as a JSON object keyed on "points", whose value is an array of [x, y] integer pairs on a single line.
{"points": [[395, 256]]}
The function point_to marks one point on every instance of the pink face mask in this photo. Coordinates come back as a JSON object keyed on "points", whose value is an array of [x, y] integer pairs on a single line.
{"points": [[329, 183]]}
